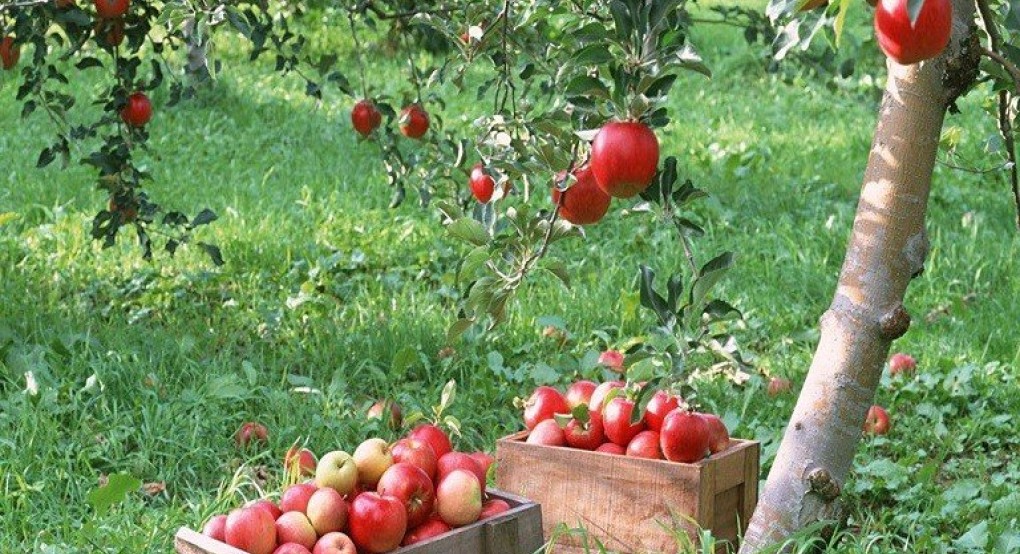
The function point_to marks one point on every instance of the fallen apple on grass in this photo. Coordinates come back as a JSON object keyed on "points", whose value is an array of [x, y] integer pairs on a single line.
{"points": [[877, 421], [902, 364], [299, 461], [251, 432]]}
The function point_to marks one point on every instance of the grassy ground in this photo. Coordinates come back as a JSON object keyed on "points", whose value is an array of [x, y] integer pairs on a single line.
{"points": [[147, 369]]}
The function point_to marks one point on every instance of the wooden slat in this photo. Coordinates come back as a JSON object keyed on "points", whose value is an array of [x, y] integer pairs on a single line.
{"points": [[516, 531], [623, 501]]}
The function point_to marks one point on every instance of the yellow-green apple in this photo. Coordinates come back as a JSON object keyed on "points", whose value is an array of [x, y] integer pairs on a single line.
{"points": [[337, 471], [778, 385], [251, 432], [902, 364], [433, 527], [585, 435], [373, 458], [335, 543], [661, 404], [295, 527], [493, 507], [327, 510], [268, 505], [612, 359], [616, 421], [459, 498], [459, 460], [547, 433], [877, 422], [412, 487], [612, 448], [295, 498], [645, 445], [381, 408], [484, 460], [415, 452], [377, 522], [299, 461], [579, 393], [250, 529], [598, 397], [215, 527], [718, 435], [543, 404], [684, 436], [433, 435]]}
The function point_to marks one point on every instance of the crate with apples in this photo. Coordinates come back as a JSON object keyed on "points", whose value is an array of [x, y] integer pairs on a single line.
{"points": [[414, 496], [594, 460]]}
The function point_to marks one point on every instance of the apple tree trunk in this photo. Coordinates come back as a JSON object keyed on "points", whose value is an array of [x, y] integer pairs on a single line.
{"points": [[888, 247]]}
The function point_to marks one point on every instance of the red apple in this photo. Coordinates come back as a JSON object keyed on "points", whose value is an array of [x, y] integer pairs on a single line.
{"points": [[661, 404], [373, 457], [485, 460], [624, 158], [412, 487], [877, 421], [299, 461], [459, 460], [579, 393], [778, 385], [902, 364], [645, 445], [616, 421], [138, 110], [584, 203], [585, 435], [611, 448], [718, 435], [598, 397], [433, 435], [295, 498], [459, 498], [612, 359], [268, 505], [365, 117], [433, 527], [482, 184], [9, 53], [216, 527], [544, 403], [684, 437], [415, 452], [335, 543], [295, 527], [547, 433], [109, 32], [251, 529], [338, 471], [291, 548], [250, 432], [377, 522], [414, 121], [377, 410], [909, 43], [111, 9], [327, 510], [494, 507]]}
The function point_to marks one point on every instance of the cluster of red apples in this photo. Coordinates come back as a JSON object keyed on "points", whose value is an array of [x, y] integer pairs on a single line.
{"points": [[624, 160], [599, 418], [366, 118], [379, 498]]}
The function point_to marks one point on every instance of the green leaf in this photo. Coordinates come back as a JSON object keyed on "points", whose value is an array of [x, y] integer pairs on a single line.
{"points": [[586, 85], [403, 359], [114, 491], [469, 230], [709, 275], [594, 54], [557, 268], [976, 538], [448, 394], [474, 261], [621, 16]]}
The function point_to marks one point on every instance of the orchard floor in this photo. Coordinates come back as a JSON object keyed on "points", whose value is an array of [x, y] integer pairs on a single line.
{"points": [[147, 369]]}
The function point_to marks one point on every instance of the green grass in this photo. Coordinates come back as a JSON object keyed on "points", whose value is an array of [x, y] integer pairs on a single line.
{"points": [[324, 286]]}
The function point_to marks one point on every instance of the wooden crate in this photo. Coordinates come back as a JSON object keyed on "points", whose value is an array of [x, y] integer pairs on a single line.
{"points": [[626, 502], [516, 531]]}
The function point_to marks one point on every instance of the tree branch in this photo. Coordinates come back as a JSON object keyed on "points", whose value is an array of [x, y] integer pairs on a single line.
{"points": [[1013, 70]]}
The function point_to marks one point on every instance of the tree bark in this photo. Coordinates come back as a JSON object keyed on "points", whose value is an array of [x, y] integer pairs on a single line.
{"points": [[887, 247]]}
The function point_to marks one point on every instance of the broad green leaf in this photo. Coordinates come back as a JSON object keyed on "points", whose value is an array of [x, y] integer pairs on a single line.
{"points": [[114, 491], [709, 275], [469, 230]]}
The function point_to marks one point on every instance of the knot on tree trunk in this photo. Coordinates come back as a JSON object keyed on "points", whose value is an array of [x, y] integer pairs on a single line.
{"points": [[895, 323], [822, 483]]}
